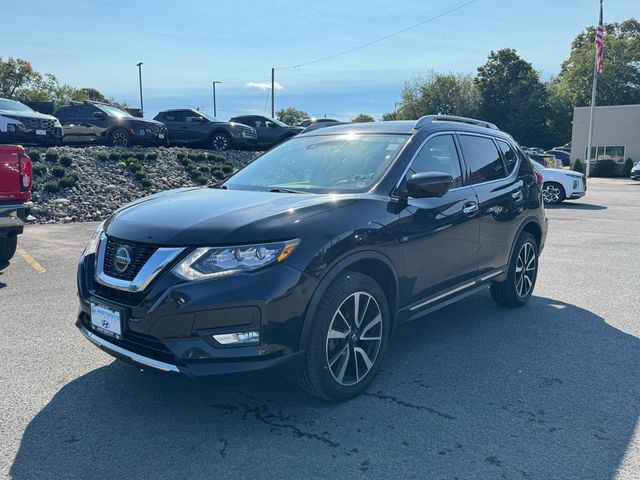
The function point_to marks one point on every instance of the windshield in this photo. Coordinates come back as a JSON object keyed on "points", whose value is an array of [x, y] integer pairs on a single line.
{"points": [[113, 111], [13, 105], [322, 164]]}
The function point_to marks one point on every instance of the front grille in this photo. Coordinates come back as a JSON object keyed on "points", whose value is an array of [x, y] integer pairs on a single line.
{"points": [[139, 343], [139, 253], [37, 123], [156, 129], [116, 295]]}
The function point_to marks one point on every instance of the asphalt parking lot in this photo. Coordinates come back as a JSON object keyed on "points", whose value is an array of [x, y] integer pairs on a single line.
{"points": [[474, 391]]}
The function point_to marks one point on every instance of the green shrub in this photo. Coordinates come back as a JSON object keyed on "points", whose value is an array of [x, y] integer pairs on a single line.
{"points": [[102, 156], [628, 166], [140, 175], [186, 161], [58, 172], [577, 166], [152, 156], [200, 179], [219, 174], [604, 168], [34, 155], [114, 156], [226, 168], [204, 169], [51, 187], [51, 156], [66, 161], [68, 181], [35, 187], [140, 156], [121, 165], [217, 157], [180, 156], [146, 183], [39, 169], [134, 166]]}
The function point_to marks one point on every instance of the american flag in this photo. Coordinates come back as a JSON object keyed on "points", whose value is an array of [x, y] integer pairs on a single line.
{"points": [[600, 41]]}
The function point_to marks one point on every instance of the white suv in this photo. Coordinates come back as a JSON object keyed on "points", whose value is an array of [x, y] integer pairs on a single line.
{"points": [[560, 185]]}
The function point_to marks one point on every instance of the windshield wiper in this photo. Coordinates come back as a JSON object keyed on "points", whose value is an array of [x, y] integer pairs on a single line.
{"points": [[286, 190]]}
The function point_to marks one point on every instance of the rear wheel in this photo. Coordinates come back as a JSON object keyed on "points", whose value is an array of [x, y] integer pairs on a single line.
{"points": [[516, 290], [553, 193], [220, 141], [348, 338], [120, 138], [8, 247]]}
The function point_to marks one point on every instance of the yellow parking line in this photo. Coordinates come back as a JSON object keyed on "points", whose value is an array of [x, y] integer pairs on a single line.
{"points": [[31, 261]]}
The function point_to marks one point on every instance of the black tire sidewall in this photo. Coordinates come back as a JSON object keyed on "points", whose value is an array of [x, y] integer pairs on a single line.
{"points": [[8, 247], [342, 288], [511, 277]]}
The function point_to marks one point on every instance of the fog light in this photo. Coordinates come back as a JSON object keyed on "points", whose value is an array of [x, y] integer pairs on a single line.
{"points": [[239, 337], [11, 128]]}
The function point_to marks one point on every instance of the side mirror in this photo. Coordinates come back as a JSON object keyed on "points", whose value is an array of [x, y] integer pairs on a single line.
{"points": [[201, 119], [428, 184], [99, 115]]}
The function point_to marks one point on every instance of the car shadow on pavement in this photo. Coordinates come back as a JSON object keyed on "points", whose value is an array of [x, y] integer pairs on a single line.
{"points": [[472, 391], [575, 206]]}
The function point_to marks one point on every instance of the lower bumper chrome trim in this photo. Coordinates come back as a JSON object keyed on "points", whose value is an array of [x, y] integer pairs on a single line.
{"points": [[149, 362]]}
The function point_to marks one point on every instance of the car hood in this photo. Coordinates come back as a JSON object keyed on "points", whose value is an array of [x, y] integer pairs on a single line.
{"points": [[143, 120], [558, 171], [207, 216], [18, 114]]}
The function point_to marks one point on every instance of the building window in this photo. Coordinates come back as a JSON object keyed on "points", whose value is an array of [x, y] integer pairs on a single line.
{"points": [[607, 152]]}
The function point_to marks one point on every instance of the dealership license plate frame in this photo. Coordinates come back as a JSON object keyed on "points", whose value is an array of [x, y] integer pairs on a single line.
{"points": [[41, 132], [114, 319]]}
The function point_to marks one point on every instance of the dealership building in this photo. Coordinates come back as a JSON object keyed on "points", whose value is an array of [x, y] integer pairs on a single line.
{"points": [[616, 134]]}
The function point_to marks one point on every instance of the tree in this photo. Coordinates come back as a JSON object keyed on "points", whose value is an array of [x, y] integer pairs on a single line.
{"points": [[15, 74], [512, 96], [438, 93], [619, 83], [386, 117], [363, 118], [93, 95], [291, 116]]}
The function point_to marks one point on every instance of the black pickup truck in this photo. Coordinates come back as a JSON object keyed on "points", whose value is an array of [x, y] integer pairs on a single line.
{"points": [[16, 180]]}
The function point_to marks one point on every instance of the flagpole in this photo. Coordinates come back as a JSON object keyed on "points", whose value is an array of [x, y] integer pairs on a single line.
{"points": [[591, 112]]}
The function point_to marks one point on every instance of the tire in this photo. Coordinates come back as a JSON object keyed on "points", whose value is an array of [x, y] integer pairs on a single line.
{"points": [[516, 290], [553, 193], [220, 141], [8, 247], [120, 138], [342, 355]]}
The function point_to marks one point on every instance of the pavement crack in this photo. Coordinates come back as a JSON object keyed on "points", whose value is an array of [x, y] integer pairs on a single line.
{"points": [[413, 406], [223, 450]]}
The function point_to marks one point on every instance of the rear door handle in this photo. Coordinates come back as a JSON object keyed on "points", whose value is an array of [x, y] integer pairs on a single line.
{"points": [[470, 209], [517, 195]]}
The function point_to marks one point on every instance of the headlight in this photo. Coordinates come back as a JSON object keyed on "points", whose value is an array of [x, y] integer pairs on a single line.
{"points": [[575, 184], [210, 262], [92, 246]]}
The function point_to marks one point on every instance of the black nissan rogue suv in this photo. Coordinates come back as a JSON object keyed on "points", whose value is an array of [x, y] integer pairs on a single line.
{"points": [[306, 260]]}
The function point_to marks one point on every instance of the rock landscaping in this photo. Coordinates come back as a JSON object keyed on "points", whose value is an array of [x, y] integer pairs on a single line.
{"points": [[81, 184]]}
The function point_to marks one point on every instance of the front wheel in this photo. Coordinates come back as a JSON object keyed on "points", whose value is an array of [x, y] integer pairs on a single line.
{"points": [[348, 338], [120, 138], [553, 193], [516, 290], [220, 141], [8, 247]]}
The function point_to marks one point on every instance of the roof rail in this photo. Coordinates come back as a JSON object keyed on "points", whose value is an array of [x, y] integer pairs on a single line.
{"points": [[428, 119]]}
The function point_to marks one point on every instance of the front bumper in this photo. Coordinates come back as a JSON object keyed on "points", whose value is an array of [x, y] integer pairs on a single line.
{"points": [[243, 139], [30, 137], [149, 138], [170, 326]]}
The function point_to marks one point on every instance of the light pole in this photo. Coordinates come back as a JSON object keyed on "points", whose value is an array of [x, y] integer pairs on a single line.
{"points": [[139, 65], [214, 97]]}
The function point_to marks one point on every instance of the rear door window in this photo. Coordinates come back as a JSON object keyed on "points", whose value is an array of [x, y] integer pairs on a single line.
{"points": [[482, 156], [509, 155]]}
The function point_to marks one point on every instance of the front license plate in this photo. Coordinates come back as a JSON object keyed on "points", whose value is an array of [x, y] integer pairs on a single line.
{"points": [[41, 132], [106, 321], [161, 135]]}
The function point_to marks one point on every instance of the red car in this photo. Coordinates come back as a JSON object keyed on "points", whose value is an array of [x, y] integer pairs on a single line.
{"points": [[16, 180]]}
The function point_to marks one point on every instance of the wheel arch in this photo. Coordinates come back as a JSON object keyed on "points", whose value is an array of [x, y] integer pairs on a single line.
{"points": [[370, 263]]}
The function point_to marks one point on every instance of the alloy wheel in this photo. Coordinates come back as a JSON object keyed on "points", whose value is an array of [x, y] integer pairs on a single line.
{"points": [[120, 139], [220, 142], [551, 194], [526, 265], [354, 338]]}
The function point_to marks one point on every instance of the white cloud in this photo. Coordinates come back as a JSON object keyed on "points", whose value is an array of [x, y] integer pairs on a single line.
{"points": [[263, 85]]}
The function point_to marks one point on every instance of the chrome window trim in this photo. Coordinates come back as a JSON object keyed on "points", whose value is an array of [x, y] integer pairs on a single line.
{"points": [[110, 347], [150, 270]]}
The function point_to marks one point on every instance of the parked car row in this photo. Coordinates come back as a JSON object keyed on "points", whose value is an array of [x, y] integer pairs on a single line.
{"points": [[86, 123]]}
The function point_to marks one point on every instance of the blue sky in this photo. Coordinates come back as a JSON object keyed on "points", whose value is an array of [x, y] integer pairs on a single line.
{"points": [[186, 44]]}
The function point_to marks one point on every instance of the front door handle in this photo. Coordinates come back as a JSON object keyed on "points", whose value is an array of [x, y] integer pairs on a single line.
{"points": [[517, 195], [470, 209]]}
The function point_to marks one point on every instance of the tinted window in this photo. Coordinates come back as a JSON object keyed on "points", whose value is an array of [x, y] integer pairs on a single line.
{"points": [[174, 116], [483, 158], [87, 111], [68, 114], [509, 155], [439, 154], [193, 117]]}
